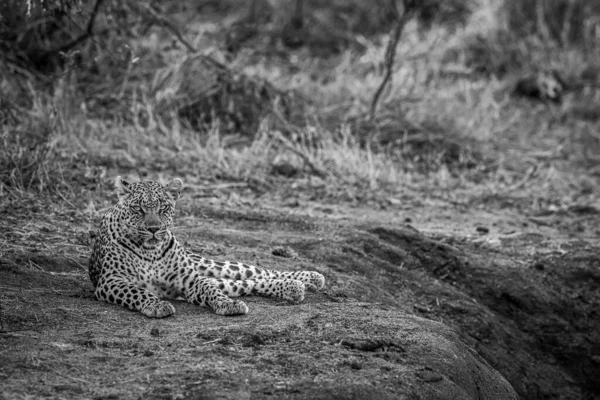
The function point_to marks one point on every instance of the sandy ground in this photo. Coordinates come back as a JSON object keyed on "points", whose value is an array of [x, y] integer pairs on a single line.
{"points": [[420, 302]]}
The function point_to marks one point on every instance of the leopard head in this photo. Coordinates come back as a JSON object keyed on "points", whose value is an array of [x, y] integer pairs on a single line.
{"points": [[146, 210]]}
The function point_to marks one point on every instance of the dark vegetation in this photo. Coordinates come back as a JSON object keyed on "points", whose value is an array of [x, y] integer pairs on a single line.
{"points": [[324, 111]]}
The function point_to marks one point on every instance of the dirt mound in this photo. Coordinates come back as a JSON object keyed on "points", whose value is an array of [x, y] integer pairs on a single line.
{"points": [[321, 349], [532, 316], [402, 316]]}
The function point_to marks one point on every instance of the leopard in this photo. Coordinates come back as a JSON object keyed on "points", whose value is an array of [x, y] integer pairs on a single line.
{"points": [[138, 263]]}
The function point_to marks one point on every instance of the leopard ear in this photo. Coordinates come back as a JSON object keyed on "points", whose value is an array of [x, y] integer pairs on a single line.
{"points": [[174, 188], [123, 189]]}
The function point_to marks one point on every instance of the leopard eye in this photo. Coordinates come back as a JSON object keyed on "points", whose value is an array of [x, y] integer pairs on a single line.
{"points": [[164, 207], [136, 208]]}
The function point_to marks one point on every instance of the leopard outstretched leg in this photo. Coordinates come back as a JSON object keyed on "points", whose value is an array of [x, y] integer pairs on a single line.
{"points": [[121, 292], [239, 271], [313, 280], [205, 292], [288, 289]]}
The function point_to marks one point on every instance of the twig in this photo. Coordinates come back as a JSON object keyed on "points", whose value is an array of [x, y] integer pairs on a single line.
{"points": [[164, 22], [11, 332], [212, 341], [521, 182], [286, 143], [170, 26], [76, 262], [88, 33], [390, 51], [74, 378]]}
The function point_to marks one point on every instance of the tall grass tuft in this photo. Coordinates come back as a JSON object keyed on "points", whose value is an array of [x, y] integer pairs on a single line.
{"points": [[447, 119], [26, 150]]}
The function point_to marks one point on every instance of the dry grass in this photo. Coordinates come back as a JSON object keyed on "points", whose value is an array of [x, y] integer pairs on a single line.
{"points": [[447, 131]]}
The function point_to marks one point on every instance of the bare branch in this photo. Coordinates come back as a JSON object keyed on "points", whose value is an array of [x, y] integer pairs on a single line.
{"points": [[89, 32], [402, 17], [285, 142], [163, 21]]}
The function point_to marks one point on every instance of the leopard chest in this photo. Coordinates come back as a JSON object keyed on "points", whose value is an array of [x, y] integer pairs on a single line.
{"points": [[160, 276]]}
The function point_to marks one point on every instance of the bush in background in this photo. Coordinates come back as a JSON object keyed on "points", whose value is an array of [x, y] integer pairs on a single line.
{"points": [[568, 22]]}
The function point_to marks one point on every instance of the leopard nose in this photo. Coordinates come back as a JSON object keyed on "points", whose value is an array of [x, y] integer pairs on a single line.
{"points": [[153, 229]]}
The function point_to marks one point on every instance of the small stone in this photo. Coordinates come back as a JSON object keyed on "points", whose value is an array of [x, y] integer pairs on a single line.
{"points": [[284, 169], [428, 375], [256, 339], [482, 229], [292, 203], [355, 364], [539, 266], [284, 251]]}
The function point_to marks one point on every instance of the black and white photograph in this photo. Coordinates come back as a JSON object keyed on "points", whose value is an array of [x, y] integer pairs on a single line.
{"points": [[300, 199]]}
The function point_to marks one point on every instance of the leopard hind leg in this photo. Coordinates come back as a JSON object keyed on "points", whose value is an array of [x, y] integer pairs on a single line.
{"points": [[288, 289], [239, 271]]}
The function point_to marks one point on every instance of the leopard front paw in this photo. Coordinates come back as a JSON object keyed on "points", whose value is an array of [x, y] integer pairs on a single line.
{"points": [[233, 307], [294, 291], [314, 280], [159, 309]]}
